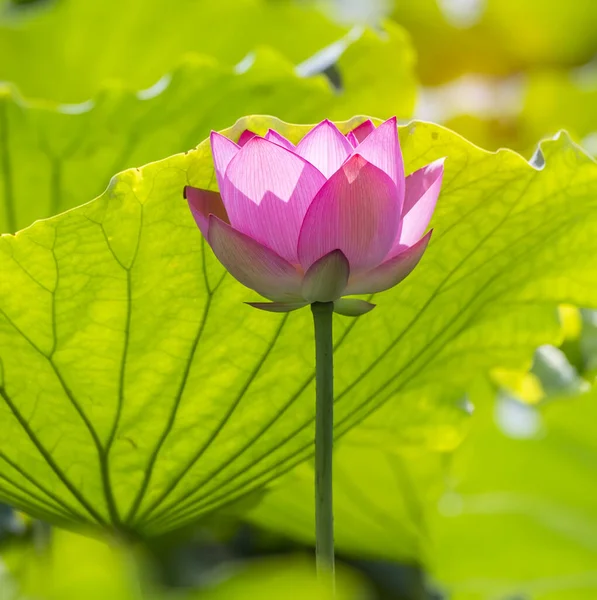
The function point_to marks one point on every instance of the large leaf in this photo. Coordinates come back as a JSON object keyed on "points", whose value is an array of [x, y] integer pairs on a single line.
{"points": [[521, 519], [138, 392], [385, 491], [68, 49], [381, 498], [55, 159]]}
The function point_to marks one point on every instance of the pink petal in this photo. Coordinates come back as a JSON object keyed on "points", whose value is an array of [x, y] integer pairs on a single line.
{"points": [[326, 279], [363, 130], [352, 138], [357, 212], [204, 203], [254, 265], [422, 189], [274, 136], [223, 151], [352, 307], [325, 147], [277, 307], [420, 196], [267, 191], [389, 273], [382, 149], [245, 136]]}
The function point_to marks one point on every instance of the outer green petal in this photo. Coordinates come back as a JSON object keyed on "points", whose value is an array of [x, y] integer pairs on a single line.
{"points": [[352, 307]]}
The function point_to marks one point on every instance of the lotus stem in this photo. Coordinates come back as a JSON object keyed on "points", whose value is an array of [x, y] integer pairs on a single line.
{"points": [[324, 439]]}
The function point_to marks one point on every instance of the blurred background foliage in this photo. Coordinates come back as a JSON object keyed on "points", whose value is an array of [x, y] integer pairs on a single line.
{"points": [[502, 506]]}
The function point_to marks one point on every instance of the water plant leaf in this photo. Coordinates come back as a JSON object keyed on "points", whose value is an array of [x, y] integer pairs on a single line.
{"points": [[98, 38], [381, 498], [542, 528], [53, 158], [138, 392]]}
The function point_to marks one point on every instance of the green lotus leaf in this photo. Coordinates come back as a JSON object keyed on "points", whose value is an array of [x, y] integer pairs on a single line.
{"points": [[66, 51], [519, 517], [138, 392], [52, 159], [386, 492], [382, 494]]}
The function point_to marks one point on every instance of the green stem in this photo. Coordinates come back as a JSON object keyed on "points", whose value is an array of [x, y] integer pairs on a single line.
{"points": [[324, 438]]}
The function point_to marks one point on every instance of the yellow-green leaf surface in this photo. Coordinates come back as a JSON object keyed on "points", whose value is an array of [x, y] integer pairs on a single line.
{"points": [[67, 50], [381, 498], [497, 37], [385, 491], [52, 159], [521, 519], [138, 392]]}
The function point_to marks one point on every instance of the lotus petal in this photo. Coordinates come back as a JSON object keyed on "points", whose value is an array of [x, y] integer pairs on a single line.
{"points": [[356, 211], [253, 264], [267, 191]]}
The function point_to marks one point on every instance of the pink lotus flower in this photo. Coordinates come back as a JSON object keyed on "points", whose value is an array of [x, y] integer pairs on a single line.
{"points": [[332, 216]]}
